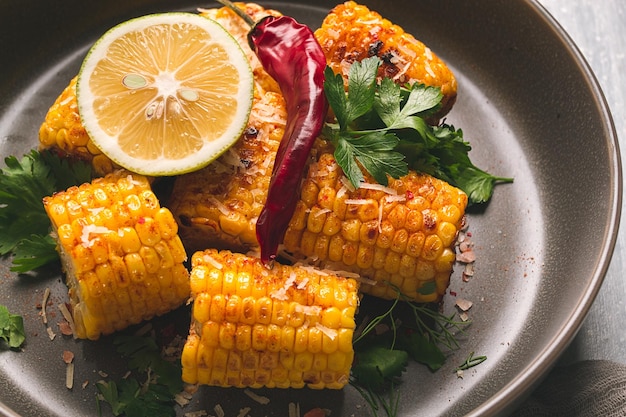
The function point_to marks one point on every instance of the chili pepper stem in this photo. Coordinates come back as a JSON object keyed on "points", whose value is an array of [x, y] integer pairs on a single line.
{"points": [[239, 12]]}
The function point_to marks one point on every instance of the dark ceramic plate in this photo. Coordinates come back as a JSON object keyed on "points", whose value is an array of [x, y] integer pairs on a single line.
{"points": [[528, 104]]}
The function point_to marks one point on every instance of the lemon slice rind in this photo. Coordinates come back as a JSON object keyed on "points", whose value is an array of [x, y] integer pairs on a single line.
{"points": [[241, 93]]}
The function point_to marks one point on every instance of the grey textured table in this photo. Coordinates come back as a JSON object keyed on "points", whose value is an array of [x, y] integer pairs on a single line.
{"points": [[598, 27]]}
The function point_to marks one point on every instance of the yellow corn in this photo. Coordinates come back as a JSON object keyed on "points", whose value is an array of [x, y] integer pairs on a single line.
{"points": [[287, 327], [63, 131], [121, 253], [352, 32], [217, 206], [403, 234]]}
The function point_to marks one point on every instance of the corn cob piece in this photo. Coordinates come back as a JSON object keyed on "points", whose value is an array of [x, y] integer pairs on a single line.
{"points": [[120, 251], [403, 234], [217, 206], [287, 327], [63, 132], [352, 32]]}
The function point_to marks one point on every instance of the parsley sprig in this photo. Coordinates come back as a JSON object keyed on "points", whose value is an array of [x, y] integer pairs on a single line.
{"points": [[11, 328], [151, 390], [417, 332], [381, 129], [24, 225], [470, 362]]}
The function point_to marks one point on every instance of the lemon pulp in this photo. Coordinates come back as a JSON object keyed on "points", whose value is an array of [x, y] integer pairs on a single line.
{"points": [[166, 93]]}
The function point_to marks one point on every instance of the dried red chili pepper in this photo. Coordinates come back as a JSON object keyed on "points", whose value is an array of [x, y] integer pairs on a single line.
{"points": [[290, 54]]}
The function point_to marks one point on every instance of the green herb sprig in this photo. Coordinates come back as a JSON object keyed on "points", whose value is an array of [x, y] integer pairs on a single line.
{"points": [[11, 328], [470, 362], [381, 129], [418, 332], [24, 225], [151, 392]]}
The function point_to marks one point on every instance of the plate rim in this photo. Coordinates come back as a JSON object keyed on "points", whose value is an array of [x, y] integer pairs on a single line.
{"points": [[513, 393], [522, 384]]}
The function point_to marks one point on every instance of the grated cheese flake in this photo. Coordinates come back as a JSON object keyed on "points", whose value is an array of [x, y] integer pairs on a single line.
{"points": [[244, 412], [395, 198], [346, 182], [302, 284], [200, 413], [309, 310], [51, 333], [463, 304], [357, 201], [211, 260], [256, 397], [90, 229], [69, 375], [44, 302], [294, 409], [378, 187], [331, 333]]}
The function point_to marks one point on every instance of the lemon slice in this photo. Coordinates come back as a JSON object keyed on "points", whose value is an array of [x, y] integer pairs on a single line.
{"points": [[165, 94]]}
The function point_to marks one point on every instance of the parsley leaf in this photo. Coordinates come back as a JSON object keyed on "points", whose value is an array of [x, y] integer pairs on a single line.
{"points": [[421, 349], [144, 354], [376, 366], [24, 223], [155, 396], [419, 101], [373, 151], [33, 253], [23, 184], [381, 129], [11, 328]]}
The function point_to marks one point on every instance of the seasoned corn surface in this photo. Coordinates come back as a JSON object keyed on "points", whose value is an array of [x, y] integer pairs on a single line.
{"points": [[352, 32], [63, 131], [217, 206], [287, 327], [402, 235], [121, 253]]}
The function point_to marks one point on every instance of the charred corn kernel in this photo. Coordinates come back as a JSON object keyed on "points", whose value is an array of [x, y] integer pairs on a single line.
{"points": [[118, 272], [63, 131], [284, 327], [217, 206], [409, 243], [351, 32]]}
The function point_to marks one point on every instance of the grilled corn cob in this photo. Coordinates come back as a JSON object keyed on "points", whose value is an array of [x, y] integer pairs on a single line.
{"points": [[352, 32], [63, 132], [402, 234], [120, 251], [217, 206], [253, 327]]}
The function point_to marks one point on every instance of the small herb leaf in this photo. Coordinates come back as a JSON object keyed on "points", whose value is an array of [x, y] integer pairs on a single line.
{"points": [[34, 253], [361, 87], [375, 366], [384, 110], [23, 185], [336, 94], [421, 349], [11, 328]]}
